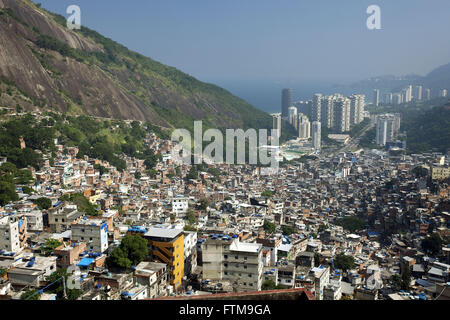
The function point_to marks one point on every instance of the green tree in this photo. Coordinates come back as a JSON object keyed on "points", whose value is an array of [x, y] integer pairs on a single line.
{"points": [[344, 262], [49, 246], [432, 244], [118, 259], [132, 250], [8, 167], [43, 203], [269, 226], [204, 203], [27, 190], [31, 295], [267, 194], [269, 285], [24, 177], [351, 223], [406, 278], [55, 281], [7, 193], [287, 230], [190, 215], [189, 228]]}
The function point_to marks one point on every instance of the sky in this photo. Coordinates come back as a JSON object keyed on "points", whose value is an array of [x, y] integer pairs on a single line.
{"points": [[282, 41]]}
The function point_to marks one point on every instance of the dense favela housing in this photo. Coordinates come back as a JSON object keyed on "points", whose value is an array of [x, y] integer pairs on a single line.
{"points": [[364, 225]]}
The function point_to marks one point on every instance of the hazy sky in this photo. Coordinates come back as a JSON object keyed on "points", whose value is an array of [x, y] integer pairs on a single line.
{"points": [[276, 39]]}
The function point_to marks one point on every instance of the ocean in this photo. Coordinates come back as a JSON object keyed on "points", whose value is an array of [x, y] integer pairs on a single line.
{"points": [[266, 94]]}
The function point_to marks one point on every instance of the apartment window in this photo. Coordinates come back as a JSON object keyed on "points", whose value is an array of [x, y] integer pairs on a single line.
{"points": [[245, 258], [226, 273], [245, 267], [236, 257], [225, 256], [225, 265], [250, 275]]}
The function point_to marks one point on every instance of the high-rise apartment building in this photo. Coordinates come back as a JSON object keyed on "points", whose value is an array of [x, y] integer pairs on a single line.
{"points": [[418, 93], [276, 123], [376, 97], [357, 102], [427, 94], [292, 116], [304, 127], [341, 115], [316, 107], [316, 135], [326, 112], [286, 102], [388, 98], [303, 107], [443, 93], [397, 98], [388, 126]]}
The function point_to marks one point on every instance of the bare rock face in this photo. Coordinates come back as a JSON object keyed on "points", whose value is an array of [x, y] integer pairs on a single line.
{"points": [[83, 72]]}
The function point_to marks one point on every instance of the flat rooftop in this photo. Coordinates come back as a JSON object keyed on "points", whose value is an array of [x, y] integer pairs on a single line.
{"points": [[163, 233], [245, 247]]}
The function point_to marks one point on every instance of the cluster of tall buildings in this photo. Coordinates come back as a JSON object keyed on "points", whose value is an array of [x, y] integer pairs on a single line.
{"points": [[388, 127], [334, 112], [406, 95]]}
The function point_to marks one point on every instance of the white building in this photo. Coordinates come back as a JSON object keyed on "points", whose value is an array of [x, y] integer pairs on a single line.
{"points": [[9, 234], [327, 111], [229, 259], [190, 251], [316, 135], [316, 107], [342, 115], [357, 102], [180, 205], [418, 94], [376, 97], [276, 124], [93, 232], [293, 120], [388, 126], [321, 279], [304, 127], [388, 98], [34, 220]]}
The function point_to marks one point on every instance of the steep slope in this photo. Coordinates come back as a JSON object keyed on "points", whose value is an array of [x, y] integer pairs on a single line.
{"points": [[43, 64], [439, 78]]}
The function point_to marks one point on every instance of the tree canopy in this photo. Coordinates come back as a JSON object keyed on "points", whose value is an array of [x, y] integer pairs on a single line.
{"points": [[132, 250]]}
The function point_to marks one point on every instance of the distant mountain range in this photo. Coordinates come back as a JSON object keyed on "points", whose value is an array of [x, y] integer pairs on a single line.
{"points": [[46, 66], [436, 80]]}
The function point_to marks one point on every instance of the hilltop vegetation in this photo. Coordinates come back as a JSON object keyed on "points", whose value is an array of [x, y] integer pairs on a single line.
{"points": [[426, 124], [83, 72]]}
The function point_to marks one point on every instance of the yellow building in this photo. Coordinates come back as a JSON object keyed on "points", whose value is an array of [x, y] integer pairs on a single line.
{"points": [[440, 173], [167, 246]]}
